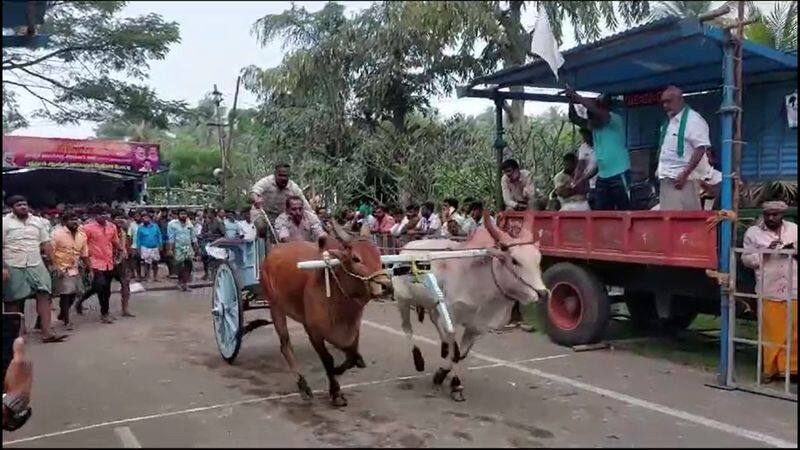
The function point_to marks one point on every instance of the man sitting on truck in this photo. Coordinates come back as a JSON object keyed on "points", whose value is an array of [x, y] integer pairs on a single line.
{"points": [[612, 188], [682, 162], [571, 198], [779, 276], [517, 185]]}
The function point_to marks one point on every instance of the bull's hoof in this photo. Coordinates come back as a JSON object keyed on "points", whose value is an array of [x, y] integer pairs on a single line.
{"points": [[360, 362], [305, 391], [440, 375], [445, 350], [458, 395], [338, 400], [419, 361]]}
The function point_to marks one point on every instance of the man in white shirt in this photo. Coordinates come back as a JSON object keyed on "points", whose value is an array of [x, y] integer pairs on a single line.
{"points": [[517, 185], [452, 220], [246, 227], [682, 162], [587, 163], [408, 223], [429, 222], [475, 218]]}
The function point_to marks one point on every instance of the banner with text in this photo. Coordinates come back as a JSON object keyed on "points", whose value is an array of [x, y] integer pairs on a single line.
{"points": [[25, 151]]}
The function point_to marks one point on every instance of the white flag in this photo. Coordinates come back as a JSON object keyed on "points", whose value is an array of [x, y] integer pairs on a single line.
{"points": [[544, 43]]}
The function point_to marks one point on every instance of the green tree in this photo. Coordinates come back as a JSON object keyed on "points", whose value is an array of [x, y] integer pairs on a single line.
{"points": [[778, 29], [465, 25], [75, 77], [11, 117], [681, 8]]}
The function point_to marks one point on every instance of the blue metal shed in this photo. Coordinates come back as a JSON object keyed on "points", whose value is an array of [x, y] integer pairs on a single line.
{"points": [[688, 54], [28, 14], [700, 60]]}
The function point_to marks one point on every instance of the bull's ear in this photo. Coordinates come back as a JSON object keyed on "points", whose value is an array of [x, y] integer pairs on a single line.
{"points": [[339, 254]]}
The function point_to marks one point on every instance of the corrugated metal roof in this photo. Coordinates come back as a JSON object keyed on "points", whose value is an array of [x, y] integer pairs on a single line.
{"points": [[667, 51]]}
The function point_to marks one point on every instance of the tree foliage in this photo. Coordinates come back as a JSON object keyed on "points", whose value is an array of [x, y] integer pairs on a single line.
{"points": [[778, 29], [75, 77]]}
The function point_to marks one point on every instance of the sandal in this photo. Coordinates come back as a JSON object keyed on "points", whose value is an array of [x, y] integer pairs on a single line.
{"points": [[127, 314], [54, 338]]}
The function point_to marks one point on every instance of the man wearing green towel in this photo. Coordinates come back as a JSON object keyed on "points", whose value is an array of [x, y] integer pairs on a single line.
{"points": [[682, 161]]}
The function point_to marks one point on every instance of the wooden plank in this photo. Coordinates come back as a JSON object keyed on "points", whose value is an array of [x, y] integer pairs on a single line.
{"points": [[590, 347]]}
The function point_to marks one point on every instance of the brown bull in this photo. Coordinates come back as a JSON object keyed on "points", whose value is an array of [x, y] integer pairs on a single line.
{"points": [[301, 295]]}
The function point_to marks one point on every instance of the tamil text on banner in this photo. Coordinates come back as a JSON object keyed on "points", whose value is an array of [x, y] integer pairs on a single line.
{"points": [[25, 151]]}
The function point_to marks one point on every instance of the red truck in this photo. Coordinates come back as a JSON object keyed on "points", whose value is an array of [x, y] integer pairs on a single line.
{"points": [[659, 259]]}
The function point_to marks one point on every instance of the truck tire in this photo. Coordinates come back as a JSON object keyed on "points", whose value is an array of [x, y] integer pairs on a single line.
{"points": [[578, 309], [644, 315]]}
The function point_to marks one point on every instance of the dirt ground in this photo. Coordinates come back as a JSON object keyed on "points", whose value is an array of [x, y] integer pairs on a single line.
{"points": [[158, 380]]}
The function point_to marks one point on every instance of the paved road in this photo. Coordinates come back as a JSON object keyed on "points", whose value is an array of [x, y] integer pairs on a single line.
{"points": [[157, 380]]}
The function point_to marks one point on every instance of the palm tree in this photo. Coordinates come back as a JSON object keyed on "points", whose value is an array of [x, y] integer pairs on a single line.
{"points": [[680, 9], [778, 29]]}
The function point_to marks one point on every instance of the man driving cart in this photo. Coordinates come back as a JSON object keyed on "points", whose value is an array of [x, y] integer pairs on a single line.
{"points": [[268, 197]]}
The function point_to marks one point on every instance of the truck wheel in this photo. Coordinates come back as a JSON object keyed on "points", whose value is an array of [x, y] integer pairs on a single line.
{"points": [[644, 315], [578, 309]]}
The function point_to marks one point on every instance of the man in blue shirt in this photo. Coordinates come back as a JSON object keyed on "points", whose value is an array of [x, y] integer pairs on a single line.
{"points": [[613, 161], [182, 246], [149, 240]]}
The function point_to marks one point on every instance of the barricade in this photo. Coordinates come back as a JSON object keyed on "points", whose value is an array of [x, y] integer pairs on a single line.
{"points": [[788, 390], [391, 245]]}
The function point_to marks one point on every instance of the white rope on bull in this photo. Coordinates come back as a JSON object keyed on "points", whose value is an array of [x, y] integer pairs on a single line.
{"points": [[326, 257]]}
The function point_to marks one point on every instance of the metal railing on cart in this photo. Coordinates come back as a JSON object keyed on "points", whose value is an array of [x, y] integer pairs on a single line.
{"points": [[391, 245]]}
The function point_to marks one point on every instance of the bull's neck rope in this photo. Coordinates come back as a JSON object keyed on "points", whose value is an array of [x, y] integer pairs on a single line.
{"points": [[516, 275], [329, 268]]}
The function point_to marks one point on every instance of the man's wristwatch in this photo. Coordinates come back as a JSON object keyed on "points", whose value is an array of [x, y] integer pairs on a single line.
{"points": [[18, 411]]}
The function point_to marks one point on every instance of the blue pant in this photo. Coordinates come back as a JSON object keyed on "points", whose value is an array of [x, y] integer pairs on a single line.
{"points": [[613, 193]]}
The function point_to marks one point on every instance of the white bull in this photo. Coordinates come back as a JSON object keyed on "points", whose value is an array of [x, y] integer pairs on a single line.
{"points": [[479, 292]]}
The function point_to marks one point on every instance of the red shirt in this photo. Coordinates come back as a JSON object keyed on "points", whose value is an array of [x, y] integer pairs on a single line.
{"points": [[101, 241], [383, 226]]}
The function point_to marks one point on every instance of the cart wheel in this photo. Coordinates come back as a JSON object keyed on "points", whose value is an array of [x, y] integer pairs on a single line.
{"points": [[578, 309], [226, 312]]}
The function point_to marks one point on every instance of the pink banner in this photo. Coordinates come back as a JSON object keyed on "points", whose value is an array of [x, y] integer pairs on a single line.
{"points": [[24, 151]]}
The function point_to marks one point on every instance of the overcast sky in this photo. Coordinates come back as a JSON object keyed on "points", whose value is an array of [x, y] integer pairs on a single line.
{"points": [[215, 44]]}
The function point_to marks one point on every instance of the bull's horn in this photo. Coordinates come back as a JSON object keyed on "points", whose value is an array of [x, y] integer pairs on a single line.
{"points": [[526, 232], [339, 233], [494, 232]]}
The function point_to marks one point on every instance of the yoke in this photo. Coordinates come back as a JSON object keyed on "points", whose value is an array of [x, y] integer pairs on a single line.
{"points": [[418, 265]]}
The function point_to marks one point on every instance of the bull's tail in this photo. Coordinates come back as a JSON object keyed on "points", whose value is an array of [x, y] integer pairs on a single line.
{"points": [[420, 313]]}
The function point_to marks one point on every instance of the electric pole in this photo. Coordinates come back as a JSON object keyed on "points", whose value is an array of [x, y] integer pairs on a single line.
{"points": [[217, 98]]}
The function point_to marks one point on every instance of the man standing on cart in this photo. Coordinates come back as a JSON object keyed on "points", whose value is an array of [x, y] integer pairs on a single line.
{"points": [[269, 196]]}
